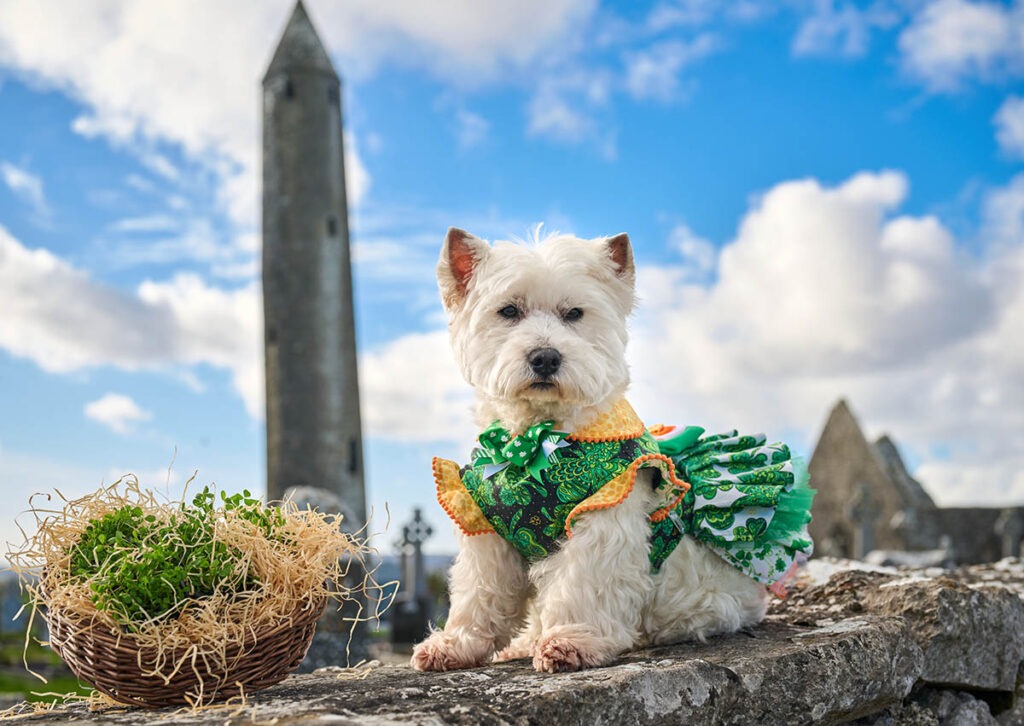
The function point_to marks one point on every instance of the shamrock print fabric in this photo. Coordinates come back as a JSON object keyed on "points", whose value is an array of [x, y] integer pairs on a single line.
{"points": [[747, 500], [532, 512]]}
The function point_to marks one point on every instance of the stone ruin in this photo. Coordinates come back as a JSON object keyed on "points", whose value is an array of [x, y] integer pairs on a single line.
{"points": [[869, 507]]}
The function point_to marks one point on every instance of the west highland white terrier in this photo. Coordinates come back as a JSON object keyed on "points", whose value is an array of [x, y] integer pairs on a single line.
{"points": [[582, 532]]}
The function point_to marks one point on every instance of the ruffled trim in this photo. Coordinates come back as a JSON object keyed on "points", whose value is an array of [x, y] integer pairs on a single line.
{"points": [[673, 487], [793, 513], [615, 492], [456, 501], [751, 504]]}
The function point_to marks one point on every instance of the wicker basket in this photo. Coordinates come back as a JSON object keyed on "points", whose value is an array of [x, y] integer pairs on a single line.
{"points": [[109, 661]]}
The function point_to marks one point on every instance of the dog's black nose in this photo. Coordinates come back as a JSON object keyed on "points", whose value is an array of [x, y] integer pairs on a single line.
{"points": [[545, 361]]}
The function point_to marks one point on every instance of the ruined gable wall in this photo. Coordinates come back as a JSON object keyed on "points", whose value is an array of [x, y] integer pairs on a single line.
{"points": [[842, 461]]}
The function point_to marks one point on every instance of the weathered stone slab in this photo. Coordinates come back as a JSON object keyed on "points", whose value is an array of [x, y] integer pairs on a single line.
{"points": [[877, 649], [776, 674], [971, 628], [949, 620]]}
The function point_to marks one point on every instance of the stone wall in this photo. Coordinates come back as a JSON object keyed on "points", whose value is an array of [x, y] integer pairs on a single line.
{"points": [[857, 500], [886, 647], [867, 500]]}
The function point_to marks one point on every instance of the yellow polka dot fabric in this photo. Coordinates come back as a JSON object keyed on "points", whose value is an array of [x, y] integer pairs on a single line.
{"points": [[456, 501], [619, 424]]}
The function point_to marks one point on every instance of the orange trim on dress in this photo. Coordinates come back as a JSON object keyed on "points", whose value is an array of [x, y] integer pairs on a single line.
{"points": [[455, 499], [668, 470], [615, 492], [618, 424]]}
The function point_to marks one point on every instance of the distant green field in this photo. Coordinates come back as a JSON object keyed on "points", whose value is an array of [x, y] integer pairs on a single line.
{"points": [[12, 645], [26, 685], [14, 678]]}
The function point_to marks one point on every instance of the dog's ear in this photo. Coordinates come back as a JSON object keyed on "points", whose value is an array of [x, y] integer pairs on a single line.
{"points": [[460, 255], [621, 254]]}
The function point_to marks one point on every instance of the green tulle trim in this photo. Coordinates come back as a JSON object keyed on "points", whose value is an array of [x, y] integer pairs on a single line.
{"points": [[793, 511]]}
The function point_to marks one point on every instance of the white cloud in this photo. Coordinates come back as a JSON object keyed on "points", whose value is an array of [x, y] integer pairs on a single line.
{"points": [[856, 290], [407, 260], [829, 292], [148, 70], [80, 323], [412, 391], [160, 165], [844, 30], [357, 177], [690, 13], [555, 117], [1003, 213], [461, 40], [968, 485], [565, 108], [1009, 122], [169, 79], [26, 186], [223, 328], [117, 412], [668, 15], [699, 255], [471, 128], [950, 42], [871, 290], [654, 72], [140, 183], [159, 239], [149, 223], [188, 72]]}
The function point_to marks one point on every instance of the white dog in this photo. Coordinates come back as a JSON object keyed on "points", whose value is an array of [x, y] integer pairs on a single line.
{"points": [[571, 546]]}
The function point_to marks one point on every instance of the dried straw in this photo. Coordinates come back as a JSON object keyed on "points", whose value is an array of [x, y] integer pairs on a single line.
{"points": [[208, 639]]}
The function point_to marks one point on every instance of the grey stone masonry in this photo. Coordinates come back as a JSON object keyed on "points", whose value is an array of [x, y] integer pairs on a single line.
{"points": [[314, 433], [878, 648], [313, 421]]}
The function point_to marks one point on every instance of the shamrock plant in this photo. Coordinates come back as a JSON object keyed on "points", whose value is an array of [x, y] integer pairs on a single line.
{"points": [[143, 568]]}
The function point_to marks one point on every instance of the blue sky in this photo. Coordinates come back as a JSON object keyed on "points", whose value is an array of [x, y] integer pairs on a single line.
{"points": [[825, 198]]}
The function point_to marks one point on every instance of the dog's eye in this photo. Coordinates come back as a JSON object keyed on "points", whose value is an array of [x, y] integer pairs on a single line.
{"points": [[511, 312], [572, 315]]}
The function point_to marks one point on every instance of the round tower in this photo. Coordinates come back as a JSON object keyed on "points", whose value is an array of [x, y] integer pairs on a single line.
{"points": [[314, 434], [313, 425]]}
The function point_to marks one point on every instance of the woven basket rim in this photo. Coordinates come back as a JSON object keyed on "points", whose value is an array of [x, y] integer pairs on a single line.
{"points": [[107, 657], [76, 618]]}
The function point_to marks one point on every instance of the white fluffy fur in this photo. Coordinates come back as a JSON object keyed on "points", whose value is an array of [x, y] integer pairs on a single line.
{"points": [[595, 597]]}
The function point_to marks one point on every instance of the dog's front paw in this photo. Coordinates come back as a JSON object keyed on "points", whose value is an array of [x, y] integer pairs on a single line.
{"points": [[559, 652], [445, 652]]}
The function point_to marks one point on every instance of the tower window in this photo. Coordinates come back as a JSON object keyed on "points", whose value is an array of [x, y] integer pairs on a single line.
{"points": [[353, 456], [332, 226], [332, 95], [289, 89]]}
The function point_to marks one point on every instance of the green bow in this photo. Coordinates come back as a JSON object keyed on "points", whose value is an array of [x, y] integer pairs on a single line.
{"points": [[499, 447]]}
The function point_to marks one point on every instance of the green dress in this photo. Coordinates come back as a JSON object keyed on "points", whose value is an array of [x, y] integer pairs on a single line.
{"points": [[747, 500]]}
